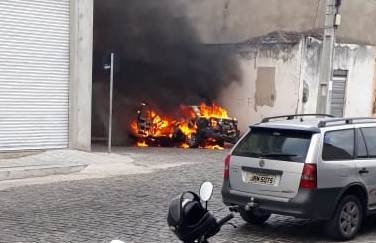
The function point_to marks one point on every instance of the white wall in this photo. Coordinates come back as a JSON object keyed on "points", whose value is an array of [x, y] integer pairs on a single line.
{"points": [[224, 21], [310, 73], [239, 98], [360, 63], [294, 66]]}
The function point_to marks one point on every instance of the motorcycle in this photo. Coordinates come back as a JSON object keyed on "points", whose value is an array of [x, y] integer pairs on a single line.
{"points": [[190, 221]]}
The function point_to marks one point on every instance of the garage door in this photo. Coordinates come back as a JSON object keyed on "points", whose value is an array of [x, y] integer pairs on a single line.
{"points": [[34, 74]]}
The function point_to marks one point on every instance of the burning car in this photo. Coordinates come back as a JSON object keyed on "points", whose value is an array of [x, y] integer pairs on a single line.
{"points": [[212, 126], [206, 126]]}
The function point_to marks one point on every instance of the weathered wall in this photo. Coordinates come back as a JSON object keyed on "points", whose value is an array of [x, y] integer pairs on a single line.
{"points": [[238, 20], [310, 73], [296, 69], [360, 63], [256, 96]]}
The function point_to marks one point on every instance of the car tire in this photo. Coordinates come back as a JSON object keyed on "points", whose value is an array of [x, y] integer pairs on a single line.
{"points": [[347, 219], [254, 217], [193, 141]]}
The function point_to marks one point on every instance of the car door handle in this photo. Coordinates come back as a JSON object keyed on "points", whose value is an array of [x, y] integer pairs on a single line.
{"points": [[363, 171]]}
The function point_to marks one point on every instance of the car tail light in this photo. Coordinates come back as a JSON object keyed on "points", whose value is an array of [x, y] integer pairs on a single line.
{"points": [[226, 174], [309, 177]]}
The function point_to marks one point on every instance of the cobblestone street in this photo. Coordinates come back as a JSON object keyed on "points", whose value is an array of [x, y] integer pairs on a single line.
{"points": [[133, 208]]}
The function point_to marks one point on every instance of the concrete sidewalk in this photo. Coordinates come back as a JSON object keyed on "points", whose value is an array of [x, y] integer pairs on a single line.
{"points": [[63, 165], [66, 165]]}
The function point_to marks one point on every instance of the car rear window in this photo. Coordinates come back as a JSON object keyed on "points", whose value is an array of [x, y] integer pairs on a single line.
{"points": [[338, 145], [276, 144]]}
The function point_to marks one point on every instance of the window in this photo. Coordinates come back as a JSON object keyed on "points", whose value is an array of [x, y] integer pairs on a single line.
{"points": [[361, 151], [281, 144], [338, 145], [369, 134]]}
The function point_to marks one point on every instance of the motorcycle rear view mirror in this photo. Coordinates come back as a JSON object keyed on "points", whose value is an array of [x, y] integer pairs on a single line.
{"points": [[206, 191]]}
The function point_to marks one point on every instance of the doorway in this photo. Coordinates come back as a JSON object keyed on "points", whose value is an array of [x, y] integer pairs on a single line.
{"points": [[338, 99]]}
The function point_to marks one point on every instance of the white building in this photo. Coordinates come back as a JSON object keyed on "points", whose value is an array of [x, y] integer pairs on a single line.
{"points": [[281, 76], [45, 74]]}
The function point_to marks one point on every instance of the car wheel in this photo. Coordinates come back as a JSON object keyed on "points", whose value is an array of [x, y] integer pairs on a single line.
{"points": [[193, 141], [347, 220], [254, 217]]}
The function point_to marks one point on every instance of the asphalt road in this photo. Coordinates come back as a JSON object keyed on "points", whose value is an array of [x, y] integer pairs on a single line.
{"points": [[133, 208]]}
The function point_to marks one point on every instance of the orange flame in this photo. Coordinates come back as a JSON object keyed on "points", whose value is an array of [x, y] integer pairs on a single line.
{"points": [[142, 144], [159, 126], [214, 111], [184, 146], [187, 129], [214, 147], [162, 126]]}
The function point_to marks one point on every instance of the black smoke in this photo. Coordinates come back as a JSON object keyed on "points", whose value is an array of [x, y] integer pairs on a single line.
{"points": [[160, 57]]}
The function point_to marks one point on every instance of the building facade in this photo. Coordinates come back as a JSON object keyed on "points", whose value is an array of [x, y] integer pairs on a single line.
{"points": [[232, 21], [46, 51], [281, 76]]}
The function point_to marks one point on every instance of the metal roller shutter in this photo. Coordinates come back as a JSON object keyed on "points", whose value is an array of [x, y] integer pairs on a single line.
{"points": [[34, 74], [338, 93]]}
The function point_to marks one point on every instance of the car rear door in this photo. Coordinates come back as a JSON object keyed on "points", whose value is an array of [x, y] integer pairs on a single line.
{"points": [[366, 161], [337, 168], [269, 162]]}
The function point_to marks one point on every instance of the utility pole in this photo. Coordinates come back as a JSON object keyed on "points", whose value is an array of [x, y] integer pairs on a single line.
{"points": [[110, 108], [332, 21], [111, 68]]}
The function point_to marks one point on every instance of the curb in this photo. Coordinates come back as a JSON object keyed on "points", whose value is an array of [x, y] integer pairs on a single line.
{"points": [[22, 172]]}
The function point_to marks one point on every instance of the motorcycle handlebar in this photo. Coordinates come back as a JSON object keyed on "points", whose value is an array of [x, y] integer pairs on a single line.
{"points": [[225, 220]]}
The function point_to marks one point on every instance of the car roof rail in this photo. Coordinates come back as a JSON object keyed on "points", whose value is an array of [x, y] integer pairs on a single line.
{"points": [[291, 117], [345, 121]]}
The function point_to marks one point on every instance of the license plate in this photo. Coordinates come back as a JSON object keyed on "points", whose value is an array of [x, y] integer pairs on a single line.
{"points": [[255, 178]]}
